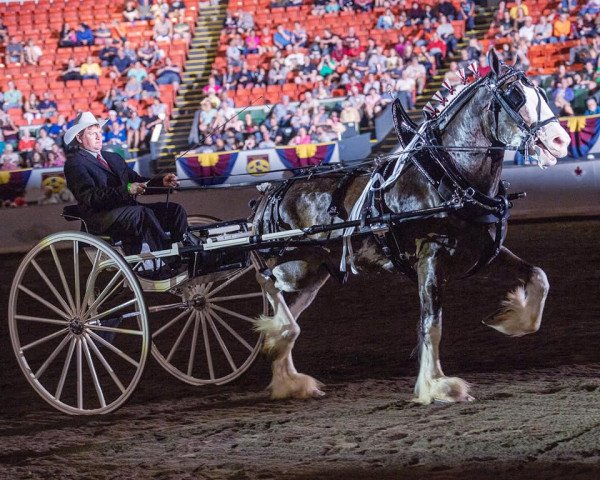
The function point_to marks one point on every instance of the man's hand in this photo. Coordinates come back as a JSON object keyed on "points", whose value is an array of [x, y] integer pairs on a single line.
{"points": [[170, 180], [137, 188]]}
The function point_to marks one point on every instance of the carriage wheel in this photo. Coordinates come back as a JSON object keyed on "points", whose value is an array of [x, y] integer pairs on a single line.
{"points": [[78, 324], [212, 339]]}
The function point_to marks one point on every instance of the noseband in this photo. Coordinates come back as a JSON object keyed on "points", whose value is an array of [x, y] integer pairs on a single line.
{"points": [[512, 99]]}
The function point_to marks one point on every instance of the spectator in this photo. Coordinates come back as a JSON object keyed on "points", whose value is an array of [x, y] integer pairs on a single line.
{"points": [[26, 143], [159, 7], [349, 114], [446, 8], [249, 143], [451, 77], [514, 10], [67, 36], [113, 118], [542, 32], [120, 64], [133, 89], [363, 5], [527, 31], [37, 160], [72, 72], [138, 72], [299, 35], [163, 29], [90, 69], [169, 75], [118, 31], [301, 138], [149, 121], [47, 106], [282, 37], [13, 98], [445, 31], [562, 27], [102, 33], [181, 28], [58, 129], [31, 108], [150, 88], [466, 12], [84, 35], [148, 53], [44, 140], [562, 96], [14, 51], [116, 136], [506, 26], [234, 52], [133, 125], [9, 130], [130, 11], [385, 20], [10, 160], [32, 53], [437, 48], [3, 31], [417, 72], [277, 74], [592, 107], [108, 53], [59, 157]]}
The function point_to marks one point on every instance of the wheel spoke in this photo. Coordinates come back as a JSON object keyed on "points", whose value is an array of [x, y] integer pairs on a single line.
{"points": [[114, 349], [236, 297], [167, 325], [193, 349], [51, 321], [180, 337], [90, 363], [230, 280], [58, 333], [77, 278], [79, 376], [125, 331], [232, 313], [89, 289], [63, 279], [211, 369], [51, 358], [104, 294], [54, 308], [231, 330], [52, 288], [111, 310], [103, 361], [221, 343], [63, 375]]}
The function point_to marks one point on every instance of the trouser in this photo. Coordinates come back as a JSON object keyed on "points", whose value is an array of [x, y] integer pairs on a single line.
{"points": [[147, 223]]}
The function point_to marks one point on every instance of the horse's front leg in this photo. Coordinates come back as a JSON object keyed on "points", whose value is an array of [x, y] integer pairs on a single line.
{"points": [[521, 311], [432, 385], [282, 329]]}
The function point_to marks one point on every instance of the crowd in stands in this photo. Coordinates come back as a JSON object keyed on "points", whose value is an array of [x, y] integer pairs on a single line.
{"points": [[132, 102], [568, 32]]}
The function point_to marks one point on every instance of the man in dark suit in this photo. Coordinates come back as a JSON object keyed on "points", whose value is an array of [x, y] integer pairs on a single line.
{"points": [[106, 190]]}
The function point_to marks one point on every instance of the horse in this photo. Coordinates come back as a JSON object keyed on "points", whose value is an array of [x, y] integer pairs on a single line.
{"points": [[454, 159]]}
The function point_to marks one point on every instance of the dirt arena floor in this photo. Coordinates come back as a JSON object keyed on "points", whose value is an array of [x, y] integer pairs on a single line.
{"points": [[536, 414]]}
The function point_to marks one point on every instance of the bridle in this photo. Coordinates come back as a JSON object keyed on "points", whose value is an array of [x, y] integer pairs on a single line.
{"points": [[511, 100]]}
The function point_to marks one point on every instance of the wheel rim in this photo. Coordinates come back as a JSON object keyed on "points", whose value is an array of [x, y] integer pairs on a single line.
{"points": [[78, 326], [212, 339]]}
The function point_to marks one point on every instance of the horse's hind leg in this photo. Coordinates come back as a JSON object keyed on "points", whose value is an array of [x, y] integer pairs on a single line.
{"points": [[282, 329], [521, 311], [432, 385]]}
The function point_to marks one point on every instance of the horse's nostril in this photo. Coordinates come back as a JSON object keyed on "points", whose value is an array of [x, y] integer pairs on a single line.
{"points": [[557, 141]]}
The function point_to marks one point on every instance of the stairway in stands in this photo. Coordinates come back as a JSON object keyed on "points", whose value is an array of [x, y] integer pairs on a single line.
{"points": [[482, 23], [203, 50]]}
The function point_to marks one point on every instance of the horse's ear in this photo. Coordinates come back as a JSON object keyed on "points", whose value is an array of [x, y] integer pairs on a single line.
{"points": [[494, 61]]}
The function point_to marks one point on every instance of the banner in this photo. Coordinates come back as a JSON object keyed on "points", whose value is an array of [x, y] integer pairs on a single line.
{"points": [[13, 183], [584, 132], [208, 168], [305, 155]]}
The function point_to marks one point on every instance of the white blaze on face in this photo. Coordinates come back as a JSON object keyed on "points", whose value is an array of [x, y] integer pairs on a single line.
{"points": [[552, 139]]}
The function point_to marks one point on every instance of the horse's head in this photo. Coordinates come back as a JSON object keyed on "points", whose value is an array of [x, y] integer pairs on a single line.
{"points": [[522, 115]]}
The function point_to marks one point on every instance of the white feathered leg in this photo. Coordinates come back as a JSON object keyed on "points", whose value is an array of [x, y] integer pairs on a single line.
{"points": [[432, 385], [281, 331], [521, 311]]}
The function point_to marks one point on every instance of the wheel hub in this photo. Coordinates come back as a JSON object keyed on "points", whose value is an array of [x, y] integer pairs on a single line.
{"points": [[199, 302], [76, 326]]}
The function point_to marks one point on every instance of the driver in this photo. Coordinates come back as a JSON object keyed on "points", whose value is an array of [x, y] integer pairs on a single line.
{"points": [[106, 191]]}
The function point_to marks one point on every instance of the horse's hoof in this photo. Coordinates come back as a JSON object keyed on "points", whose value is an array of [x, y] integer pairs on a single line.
{"points": [[318, 393]]}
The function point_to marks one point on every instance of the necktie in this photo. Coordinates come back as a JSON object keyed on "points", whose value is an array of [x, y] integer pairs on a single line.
{"points": [[103, 162]]}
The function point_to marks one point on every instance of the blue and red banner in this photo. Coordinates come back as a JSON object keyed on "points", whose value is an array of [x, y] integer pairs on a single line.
{"points": [[306, 155], [584, 132], [208, 168], [13, 183]]}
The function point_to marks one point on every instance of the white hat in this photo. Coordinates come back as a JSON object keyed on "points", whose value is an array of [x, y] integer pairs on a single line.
{"points": [[82, 121]]}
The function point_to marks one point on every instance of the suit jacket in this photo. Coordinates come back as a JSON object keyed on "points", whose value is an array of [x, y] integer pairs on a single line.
{"points": [[101, 193]]}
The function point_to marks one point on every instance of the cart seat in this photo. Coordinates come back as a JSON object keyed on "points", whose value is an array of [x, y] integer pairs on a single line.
{"points": [[72, 212]]}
